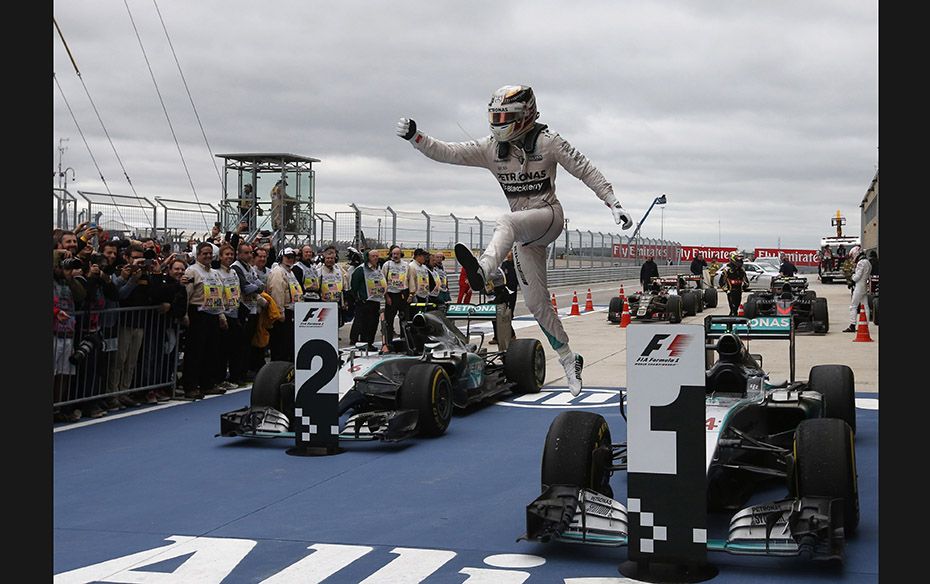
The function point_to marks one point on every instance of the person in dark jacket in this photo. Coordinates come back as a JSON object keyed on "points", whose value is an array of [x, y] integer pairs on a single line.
{"points": [[648, 271], [368, 284], [787, 268], [873, 259], [698, 265]]}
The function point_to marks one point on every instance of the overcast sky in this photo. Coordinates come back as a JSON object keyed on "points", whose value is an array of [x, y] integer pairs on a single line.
{"points": [[760, 115]]}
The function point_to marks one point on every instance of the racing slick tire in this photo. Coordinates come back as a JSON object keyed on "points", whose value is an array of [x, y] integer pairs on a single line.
{"points": [[710, 297], [578, 452], [819, 312], [750, 307], [825, 466], [688, 303], [615, 309], [266, 389], [525, 365], [875, 311], [837, 385], [674, 309], [428, 390]]}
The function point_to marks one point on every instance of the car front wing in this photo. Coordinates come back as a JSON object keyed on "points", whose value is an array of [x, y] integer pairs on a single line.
{"points": [[809, 527]]}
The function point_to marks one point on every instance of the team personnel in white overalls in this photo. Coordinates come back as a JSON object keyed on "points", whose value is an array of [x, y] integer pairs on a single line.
{"points": [[522, 155], [860, 289]]}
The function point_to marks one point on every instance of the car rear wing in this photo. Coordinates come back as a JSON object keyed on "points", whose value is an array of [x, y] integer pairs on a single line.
{"points": [[763, 327], [793, 281]]}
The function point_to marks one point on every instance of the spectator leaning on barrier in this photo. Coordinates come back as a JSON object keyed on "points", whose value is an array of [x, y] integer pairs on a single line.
{"points": [[91, 365], [333, 281], [395, 300], [63, 325], [171, 298], [647, 272], [231, 339], [134, 293], [418, 277], [368, 284], [285, 290], [250, 286], [204, 311]]}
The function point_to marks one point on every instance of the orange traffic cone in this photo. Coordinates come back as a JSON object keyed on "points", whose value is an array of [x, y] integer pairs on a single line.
{"points": [[625, 315], [574, 311], [622, 294], [555, 307], [589, 303], [740, 312], [862, 329]]}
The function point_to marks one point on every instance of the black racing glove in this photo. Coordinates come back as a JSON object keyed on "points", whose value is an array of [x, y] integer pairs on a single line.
{"points": [[406, 128]]}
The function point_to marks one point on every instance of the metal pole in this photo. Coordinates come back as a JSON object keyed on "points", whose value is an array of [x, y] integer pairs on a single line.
{"points": [[565, 253], [358, 226], [480, 232], [456, 219], [393, 225], [591, 238], [425, 214]]}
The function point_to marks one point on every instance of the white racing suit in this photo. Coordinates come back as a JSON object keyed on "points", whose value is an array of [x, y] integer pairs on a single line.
{"points": [[536, 219], [861, 277]]}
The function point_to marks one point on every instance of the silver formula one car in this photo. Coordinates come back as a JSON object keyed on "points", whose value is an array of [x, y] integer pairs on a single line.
{"points": [[758, 431], [412, 390]]}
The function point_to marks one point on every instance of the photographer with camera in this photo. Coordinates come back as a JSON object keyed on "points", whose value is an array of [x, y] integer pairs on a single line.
{"points": [[134, 293], [63, 326], [89, 357]]}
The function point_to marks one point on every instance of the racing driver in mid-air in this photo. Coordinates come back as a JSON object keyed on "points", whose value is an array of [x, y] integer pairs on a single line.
{"points": [[522, 154]]}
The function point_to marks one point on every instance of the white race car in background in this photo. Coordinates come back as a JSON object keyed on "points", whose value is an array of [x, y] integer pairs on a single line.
{"points": [[760, 275]]}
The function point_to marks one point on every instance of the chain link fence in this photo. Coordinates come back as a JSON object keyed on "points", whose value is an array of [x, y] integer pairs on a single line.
{"points": [[361, 226]]}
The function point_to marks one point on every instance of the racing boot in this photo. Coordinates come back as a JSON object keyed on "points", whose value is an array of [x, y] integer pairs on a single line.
{"points": [[573, 364], [473, 269]]}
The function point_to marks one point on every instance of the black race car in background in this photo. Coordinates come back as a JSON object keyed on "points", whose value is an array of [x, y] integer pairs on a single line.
{"points": [[666, 298], [790, 296], [705, 297], [659, 301], [409, 391], [760, 432]]}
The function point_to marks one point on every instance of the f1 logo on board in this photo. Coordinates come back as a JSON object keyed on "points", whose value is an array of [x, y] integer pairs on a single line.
{"points": [[662, 352], [320, 314]]}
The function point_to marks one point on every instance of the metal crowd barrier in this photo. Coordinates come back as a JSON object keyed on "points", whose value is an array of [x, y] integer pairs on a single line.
{"points": [[118, 351]]}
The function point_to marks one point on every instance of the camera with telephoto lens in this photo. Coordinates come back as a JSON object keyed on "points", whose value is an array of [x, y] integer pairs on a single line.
{"points": [[88, 345], [71, 264]]}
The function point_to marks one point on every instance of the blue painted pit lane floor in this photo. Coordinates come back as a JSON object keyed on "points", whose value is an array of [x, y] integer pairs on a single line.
{"points": [[155, 497]]}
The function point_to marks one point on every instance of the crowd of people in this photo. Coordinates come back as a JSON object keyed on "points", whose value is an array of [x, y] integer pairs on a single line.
{"points": [[129, 314]]}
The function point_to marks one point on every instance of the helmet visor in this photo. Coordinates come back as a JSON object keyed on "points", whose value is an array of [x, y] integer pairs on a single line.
{"points": [[503, 118]]}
